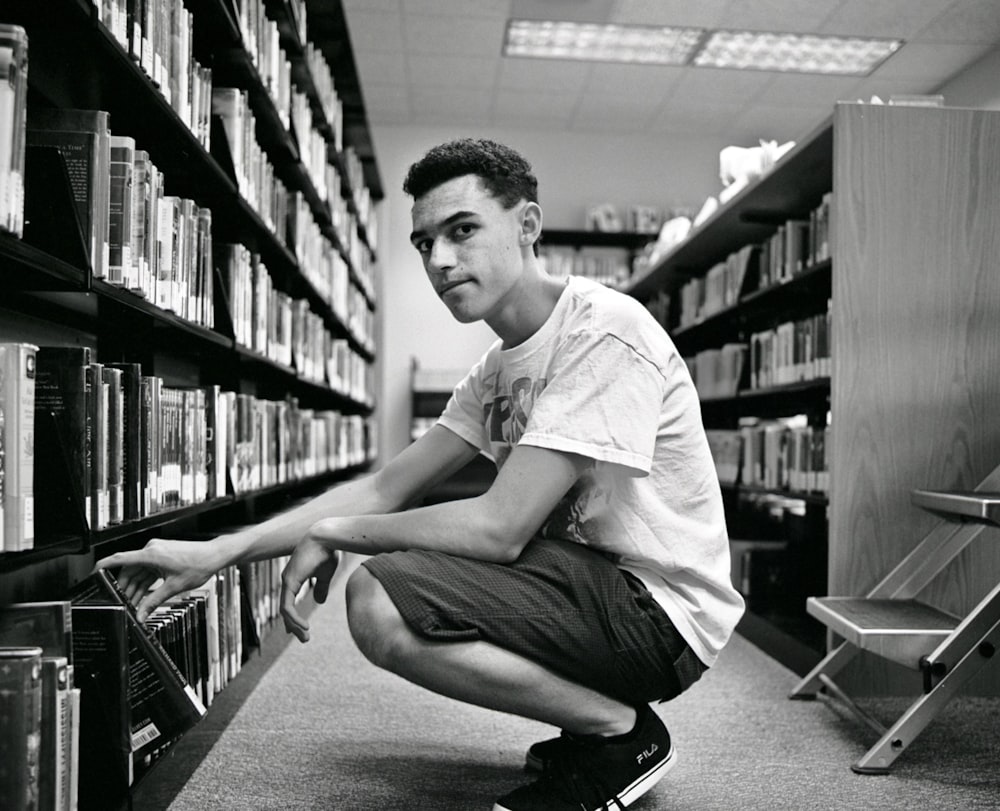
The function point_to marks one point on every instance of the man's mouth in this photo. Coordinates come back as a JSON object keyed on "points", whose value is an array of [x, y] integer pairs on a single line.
{"points": [[445, 288]]}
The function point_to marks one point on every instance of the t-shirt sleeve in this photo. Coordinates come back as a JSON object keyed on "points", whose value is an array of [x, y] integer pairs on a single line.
{"points": [[463, 414], [602, 400]]}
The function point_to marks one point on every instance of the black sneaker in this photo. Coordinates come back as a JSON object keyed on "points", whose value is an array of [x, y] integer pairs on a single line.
{"points": [[541, 753], [590, 773]]}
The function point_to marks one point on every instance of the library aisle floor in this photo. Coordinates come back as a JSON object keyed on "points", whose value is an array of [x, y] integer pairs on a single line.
{"points": [[323, 729]]}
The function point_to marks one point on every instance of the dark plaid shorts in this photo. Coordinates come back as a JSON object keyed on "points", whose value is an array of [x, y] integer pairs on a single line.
{"points": [[559, 604]]}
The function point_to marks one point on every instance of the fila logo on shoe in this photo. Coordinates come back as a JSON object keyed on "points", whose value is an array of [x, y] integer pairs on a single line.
{"points": [[645, 754]]}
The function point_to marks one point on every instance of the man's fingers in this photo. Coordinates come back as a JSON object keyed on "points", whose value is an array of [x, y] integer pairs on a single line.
{"points": [[324, 576], [294, 623]]}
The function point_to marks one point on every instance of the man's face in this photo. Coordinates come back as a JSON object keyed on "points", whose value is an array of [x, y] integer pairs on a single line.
{"points": [[470, 247]]}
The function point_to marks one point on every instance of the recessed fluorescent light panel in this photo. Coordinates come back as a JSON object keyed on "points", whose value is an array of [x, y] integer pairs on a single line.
{"points": [[666, 45], [644, 44], [798, 53]]}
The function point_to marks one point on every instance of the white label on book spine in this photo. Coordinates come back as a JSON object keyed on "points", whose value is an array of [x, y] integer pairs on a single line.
{"points": [[144, 735]]}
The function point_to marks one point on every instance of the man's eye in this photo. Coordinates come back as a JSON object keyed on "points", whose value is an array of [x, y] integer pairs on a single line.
{"points": [[423, 246], [464, 230]]}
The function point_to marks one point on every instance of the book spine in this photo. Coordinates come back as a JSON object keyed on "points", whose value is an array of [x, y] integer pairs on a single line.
{"points": [[17, 392], [20, 732], [13, 109]]}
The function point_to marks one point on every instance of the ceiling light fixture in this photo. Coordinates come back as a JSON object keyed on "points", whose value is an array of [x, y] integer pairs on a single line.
{"points": [[700, 47]]}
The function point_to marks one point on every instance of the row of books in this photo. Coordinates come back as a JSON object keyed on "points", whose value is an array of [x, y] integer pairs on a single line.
{"points": [[91, 698], [88, 445], [13, 106], [796, 246], [608, 266], [255, 177], [718, 372], [791, 352], [782, 455], [719, 288], [286, 331], [159, 36]]}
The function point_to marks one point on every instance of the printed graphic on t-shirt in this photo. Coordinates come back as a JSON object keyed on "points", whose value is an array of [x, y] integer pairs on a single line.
{"points": [[585, 514], [507, 414]]}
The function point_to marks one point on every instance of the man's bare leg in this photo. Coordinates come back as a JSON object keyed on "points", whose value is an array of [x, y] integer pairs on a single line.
{"points": [[475, 672]]}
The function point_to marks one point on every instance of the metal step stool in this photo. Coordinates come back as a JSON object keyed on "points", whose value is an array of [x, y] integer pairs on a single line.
{"points": [[891, 623]]}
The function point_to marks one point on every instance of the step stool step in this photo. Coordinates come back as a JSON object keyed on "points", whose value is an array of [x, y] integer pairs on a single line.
{"points": [[965, 503], [900, 630]]}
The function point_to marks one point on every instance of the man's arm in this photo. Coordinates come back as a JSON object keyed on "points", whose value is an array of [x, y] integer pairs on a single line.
{"points": [[187, 564], [494, 526]]}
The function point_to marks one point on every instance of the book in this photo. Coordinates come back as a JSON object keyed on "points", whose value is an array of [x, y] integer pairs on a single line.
{"points": [[145, 700], [20, 726], [83, 139], [47, 624], [120, 240], [62, 461], [13, 107], [131, 377], [151, 447], [97, 432], [17, 403], [54, 747], [115, 444], [100, 651]]}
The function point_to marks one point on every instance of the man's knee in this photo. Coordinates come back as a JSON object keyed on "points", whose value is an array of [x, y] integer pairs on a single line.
{"points": [[374, 622]]}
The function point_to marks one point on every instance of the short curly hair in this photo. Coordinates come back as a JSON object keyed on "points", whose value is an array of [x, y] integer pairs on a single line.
{"points": [[505, 174]]}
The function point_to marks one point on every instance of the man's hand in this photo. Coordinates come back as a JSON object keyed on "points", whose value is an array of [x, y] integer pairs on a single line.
{"points": [[309, 558], [162, 569]]}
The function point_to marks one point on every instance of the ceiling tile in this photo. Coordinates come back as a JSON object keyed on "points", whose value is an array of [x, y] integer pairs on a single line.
{"points": [[540, 110], [966, 21], [443, 107], [775, 15], [456, 36], [651, 82], [699, 119], [375, 31], [543, 74], [884, 88], [882, 18], [465, 8], [939, 61], [704, 13], [381, 67], [445, 72], [806, 90], [713, 85], [354, 6], [614, 113]]}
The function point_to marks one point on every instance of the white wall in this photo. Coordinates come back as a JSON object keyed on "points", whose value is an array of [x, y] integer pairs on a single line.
{"points": [[978, 86], [573, 172]]}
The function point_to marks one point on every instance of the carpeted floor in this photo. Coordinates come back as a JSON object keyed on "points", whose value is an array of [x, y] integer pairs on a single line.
{"points": [[323, 729]]}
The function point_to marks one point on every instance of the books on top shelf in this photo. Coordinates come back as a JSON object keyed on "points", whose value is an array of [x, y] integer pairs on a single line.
{"points": [[83, 140], [13, 110]]}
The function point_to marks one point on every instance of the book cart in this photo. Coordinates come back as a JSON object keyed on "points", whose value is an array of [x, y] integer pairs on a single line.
{"points": [[52, 292], [908, 398]]}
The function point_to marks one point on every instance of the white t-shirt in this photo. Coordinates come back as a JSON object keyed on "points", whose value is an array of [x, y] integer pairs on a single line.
{"points": [[602, 379]]}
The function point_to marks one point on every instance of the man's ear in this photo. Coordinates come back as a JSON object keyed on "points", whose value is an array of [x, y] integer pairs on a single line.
{"points": [[531, 223]]}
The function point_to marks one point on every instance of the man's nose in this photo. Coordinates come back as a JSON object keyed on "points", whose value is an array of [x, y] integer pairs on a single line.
{"points": [[441, 257]]}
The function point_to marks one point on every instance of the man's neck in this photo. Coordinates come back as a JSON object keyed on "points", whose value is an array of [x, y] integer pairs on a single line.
{"points": [[533, 303]]}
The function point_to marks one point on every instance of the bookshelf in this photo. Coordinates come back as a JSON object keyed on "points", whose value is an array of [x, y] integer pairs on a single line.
{"points": [[318, 153], [606, 256], [915, 337]]}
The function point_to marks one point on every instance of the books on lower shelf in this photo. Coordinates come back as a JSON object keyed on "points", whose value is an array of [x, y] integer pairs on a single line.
{"points": [[90, 698], [17, 446]]}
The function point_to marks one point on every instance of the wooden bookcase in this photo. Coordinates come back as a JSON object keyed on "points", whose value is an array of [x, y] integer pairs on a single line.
{"points": [[915, 387], [48, 295]]}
